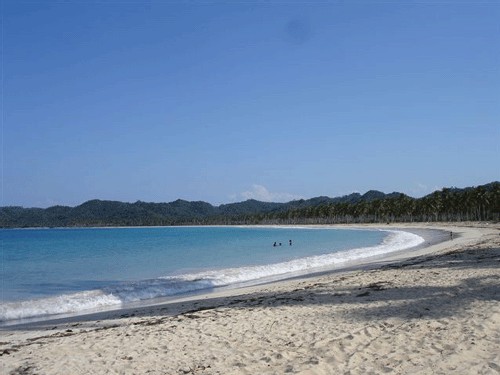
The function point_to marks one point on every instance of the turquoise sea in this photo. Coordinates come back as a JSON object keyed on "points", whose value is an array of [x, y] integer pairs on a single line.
{"points": [[70, 271]]}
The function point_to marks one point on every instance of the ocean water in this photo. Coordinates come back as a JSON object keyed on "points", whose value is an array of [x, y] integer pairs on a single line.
{"points": [[66, 271]]}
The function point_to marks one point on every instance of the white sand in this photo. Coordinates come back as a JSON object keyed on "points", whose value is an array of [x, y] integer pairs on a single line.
{"points": [[438, 313]]}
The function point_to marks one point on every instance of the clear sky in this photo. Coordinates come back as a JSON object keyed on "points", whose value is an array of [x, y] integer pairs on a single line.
{"points": [[225, 101]]}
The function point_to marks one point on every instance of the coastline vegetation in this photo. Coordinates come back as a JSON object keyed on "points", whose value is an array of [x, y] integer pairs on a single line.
{"points": [[480, 203]]}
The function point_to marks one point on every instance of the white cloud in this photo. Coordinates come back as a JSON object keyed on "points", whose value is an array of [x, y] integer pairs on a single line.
{"points": [[260, 193], [421, 189]]}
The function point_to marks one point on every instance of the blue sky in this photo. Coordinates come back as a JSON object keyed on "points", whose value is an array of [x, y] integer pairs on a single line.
{"points": [[222, 102]]}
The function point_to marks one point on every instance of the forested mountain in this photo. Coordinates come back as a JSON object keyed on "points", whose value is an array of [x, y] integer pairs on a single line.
{"points": [[448, 204]]}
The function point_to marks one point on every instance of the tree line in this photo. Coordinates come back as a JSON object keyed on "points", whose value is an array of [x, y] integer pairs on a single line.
{"points": [[472, 204], [481, 203]]}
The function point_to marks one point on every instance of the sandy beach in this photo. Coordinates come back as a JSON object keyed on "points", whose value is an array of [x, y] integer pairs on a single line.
{"points": [[435, 310]]}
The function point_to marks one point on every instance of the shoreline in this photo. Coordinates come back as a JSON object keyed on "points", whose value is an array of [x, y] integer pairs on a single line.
{"points": [[434, 310], [429, 236]]}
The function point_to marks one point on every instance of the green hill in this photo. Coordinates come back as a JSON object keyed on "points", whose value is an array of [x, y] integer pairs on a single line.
{"points": [[448, 204]]}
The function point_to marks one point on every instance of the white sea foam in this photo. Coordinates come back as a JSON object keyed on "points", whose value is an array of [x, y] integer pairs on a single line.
{"points": [[174, 285], [395, 241], [68, 303]]}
